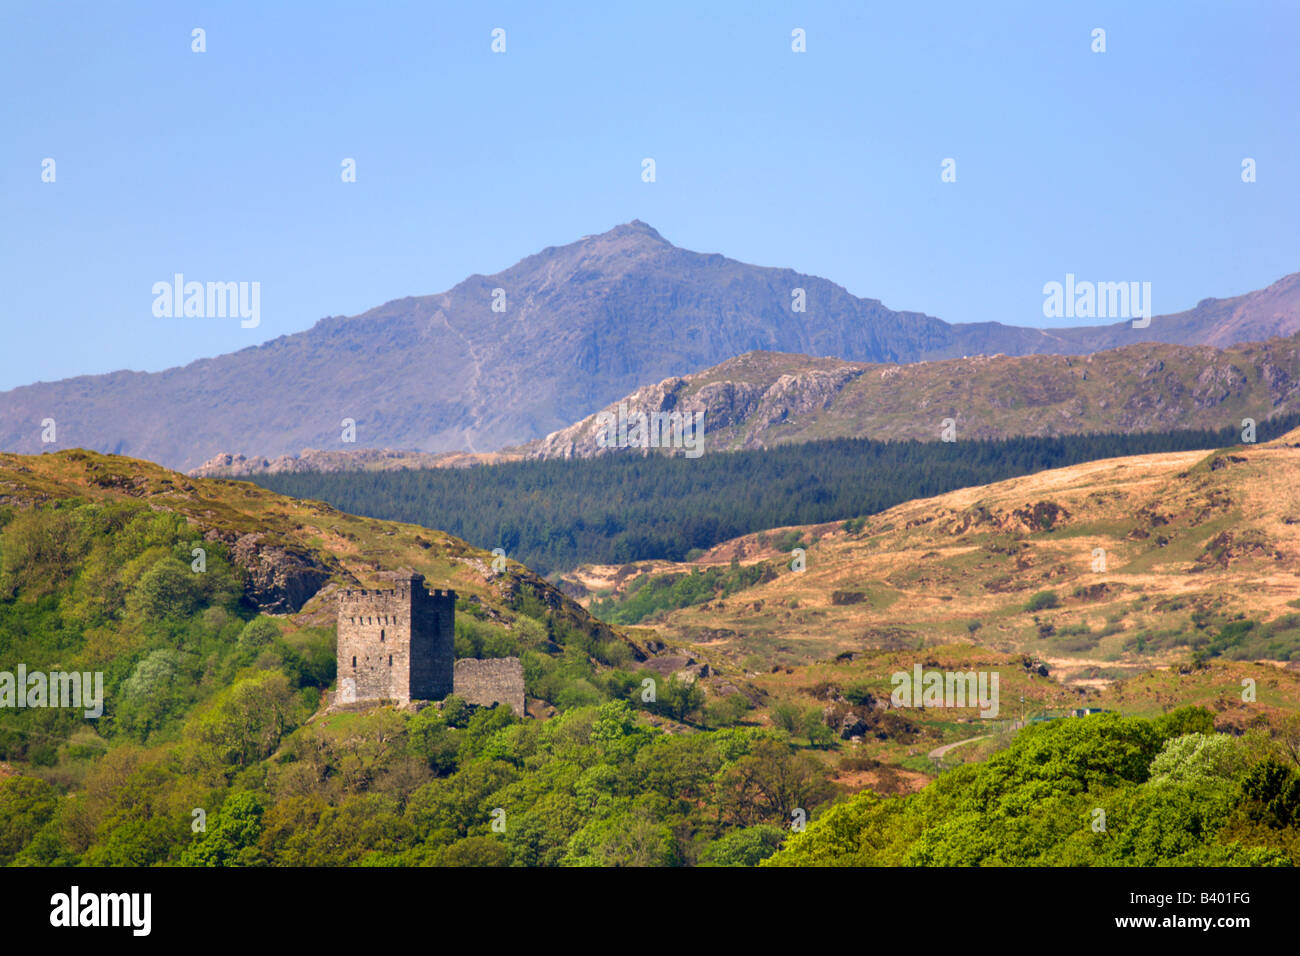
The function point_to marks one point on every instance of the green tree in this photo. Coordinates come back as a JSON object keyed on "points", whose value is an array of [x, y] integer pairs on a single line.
{"points": [[26, 805], [169, 590], [1042, 601], [770, 783], [813, 726], [233, 840], [679, 698], [1274, 790], [258, 632], [244, 723], [746, 847], [627, 839], [1198, 760], [152, 693], [475, 851]]}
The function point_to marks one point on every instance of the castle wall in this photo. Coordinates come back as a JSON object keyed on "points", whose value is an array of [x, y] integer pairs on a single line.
{"points": [[496, 680]]}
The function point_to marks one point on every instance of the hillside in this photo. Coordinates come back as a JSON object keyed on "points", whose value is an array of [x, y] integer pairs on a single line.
{"points": [[211, 704], [292, 555], [1201, 559], [766, 398], [556, 514], [584, 323], [160, 585]]}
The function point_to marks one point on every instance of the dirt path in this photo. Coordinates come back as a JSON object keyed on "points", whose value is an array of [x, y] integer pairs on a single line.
{"points": [[938, 752]]}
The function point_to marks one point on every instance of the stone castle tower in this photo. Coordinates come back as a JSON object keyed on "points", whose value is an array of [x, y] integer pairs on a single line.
{"points": [[396, 645], [400, 645]]}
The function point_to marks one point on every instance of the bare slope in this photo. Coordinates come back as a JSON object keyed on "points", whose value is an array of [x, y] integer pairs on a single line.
{"points": [[1149, 559]]}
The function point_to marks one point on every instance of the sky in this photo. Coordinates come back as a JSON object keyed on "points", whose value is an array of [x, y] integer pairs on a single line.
{"points": [[226, 165]]}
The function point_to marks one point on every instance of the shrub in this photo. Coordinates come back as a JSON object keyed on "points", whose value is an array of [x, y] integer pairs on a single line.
{"points": [[1042, 601], [788, 540]]}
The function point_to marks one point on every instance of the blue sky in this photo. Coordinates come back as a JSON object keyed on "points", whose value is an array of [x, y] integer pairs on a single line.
{"points": [[225, 165]]}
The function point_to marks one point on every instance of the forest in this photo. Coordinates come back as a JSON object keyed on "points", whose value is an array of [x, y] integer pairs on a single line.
{"points": [[1103, 790], [206, 753], [555, 515]]}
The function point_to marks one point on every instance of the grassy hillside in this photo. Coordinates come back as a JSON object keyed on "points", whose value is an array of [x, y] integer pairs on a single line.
{"points": [[1201, 559], [214, 707]]}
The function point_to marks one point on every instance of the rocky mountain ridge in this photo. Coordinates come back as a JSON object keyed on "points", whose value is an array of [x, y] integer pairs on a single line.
{"points": [[511, 357]]}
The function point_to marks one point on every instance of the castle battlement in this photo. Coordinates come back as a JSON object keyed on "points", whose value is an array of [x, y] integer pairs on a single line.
{"points": [[380, 594]]}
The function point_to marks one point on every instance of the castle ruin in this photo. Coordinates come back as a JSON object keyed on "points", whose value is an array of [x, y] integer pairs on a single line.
{"points": [[400, 646]]}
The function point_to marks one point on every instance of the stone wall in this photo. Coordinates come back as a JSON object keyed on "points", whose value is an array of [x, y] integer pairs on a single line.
{"points": [[497, 680]]}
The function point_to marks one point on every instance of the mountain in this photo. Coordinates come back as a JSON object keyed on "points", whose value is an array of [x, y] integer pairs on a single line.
{"points": [[762, 399], [583, 324]]}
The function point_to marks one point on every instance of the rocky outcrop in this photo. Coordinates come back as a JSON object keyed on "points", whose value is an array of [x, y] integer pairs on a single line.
{"points": [[227, 465], [280, 580], [751, 408]]}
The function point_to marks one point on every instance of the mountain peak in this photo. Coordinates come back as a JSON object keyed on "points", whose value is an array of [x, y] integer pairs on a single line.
{"points": [[635, 228]]}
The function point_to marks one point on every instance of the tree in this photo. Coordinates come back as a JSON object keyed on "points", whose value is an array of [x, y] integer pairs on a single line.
{"points": [[1198, 760], [747, 847], [462, 803], [475, 851], [1289, 737], [169, 590], [728, 711], [258, 632], [769, 784], [1274, 789], [814, 728], [430, 739], [839, 837], [152, 692], [1042, 601], [26, 805], [624, 839], [679, 698], [39, 554], [787, 717], [232, 841], [244, 723]]}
